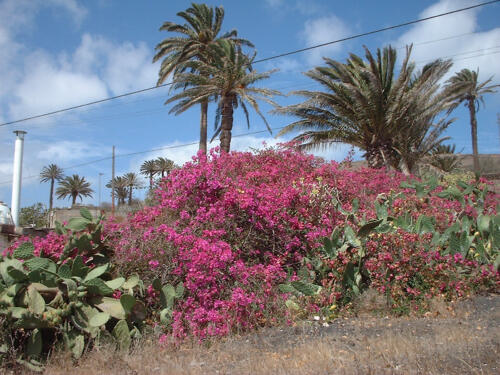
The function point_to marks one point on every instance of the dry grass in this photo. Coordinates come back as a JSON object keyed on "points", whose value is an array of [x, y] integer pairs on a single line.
{"points": [[461, 340]]}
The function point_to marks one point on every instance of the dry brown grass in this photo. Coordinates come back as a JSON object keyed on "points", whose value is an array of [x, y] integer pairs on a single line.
{"points": [[459, 340]]}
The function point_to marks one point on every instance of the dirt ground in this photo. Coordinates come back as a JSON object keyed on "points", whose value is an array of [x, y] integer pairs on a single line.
{"points": [[462, 338]]}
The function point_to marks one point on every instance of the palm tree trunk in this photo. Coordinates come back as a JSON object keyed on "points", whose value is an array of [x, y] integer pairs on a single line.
{"points": [[130, 196], [51, 199], [203, 127], [226, 124], [473, 131], [74, 199], [150, 181]]}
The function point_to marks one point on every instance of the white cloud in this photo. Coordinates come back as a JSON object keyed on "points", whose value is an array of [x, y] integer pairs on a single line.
{"points": [[303, 7], [285, 65], [71, 6], [35, 81], [48, 85], [323, 30], [464, 49], [123, 67]]}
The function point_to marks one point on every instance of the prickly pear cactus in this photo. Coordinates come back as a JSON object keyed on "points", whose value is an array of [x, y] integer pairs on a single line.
{"points": [[71, 298]]}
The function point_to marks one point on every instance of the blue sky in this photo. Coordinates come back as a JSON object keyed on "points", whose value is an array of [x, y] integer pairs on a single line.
{"points": [[60, 53]]}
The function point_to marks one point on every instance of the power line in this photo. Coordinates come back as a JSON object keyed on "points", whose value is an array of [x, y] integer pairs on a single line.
{"points": [[141, 152], [259, 61]]}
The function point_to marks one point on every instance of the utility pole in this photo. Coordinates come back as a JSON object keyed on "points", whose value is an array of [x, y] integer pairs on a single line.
{"points": [[17, 176], [113, 184], [100, 175]]}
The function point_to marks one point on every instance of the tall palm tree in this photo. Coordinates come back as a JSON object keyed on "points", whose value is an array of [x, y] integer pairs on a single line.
{"points": [[197, 36], [365, 104], [74, 187], [229, 79], [133, 182], [51, 173], [465, 88], [148, 168], [121, 188], [164, 166]]}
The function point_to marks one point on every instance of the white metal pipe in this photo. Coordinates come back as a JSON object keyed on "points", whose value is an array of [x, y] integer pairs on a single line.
{"points": [[17, 175]]}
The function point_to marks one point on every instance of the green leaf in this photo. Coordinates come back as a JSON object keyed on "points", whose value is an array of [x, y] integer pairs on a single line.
{"points": [[292, 305], [82, 243], [115, 283], [122, 335], [34, 345], [77, 224], [179, 290], [483, 223], [138, 313], [98, 287], [381, 210], [86, 214], [127, 302], [31, 322], [167, 296], [17, 275], [384, 228], [112, 306], [306, 289], [18, 312], [37, 263], [99, 319], [8, 280], [36, 303], [131, 282], [496, 264], [59, 228], [351, 236], [286, 288], [366, 229], [78, 268], [78, 346], [424, 224], [32, 365], [156, 284], [24, 251], [165, 316], [96, 272], [355, 205], [64, 272]]}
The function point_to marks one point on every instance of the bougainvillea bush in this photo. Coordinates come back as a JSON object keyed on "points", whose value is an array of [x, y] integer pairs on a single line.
{"points": [[234, 228]]}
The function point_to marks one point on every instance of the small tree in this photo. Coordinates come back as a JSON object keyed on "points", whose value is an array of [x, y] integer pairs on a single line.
{"points": [[35, 215]]}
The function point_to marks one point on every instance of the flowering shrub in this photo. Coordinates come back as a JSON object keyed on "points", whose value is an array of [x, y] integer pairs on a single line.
{"points": [[50, 246], [232, 227]]}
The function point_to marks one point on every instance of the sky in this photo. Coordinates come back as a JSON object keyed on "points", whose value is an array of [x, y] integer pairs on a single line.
{"points": [[62, 53]]}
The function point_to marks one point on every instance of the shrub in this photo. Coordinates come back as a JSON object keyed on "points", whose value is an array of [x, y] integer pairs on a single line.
{"points": [[233, 227]]}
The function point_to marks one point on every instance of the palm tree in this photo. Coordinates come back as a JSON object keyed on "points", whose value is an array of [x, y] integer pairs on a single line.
{"points": [[51, 173], [197, 36], [443, 158], [121, 188], [367, 106], [465, 88], [164, 166], [133, 182], [74, 187], [229, 79], [149, 169]]}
